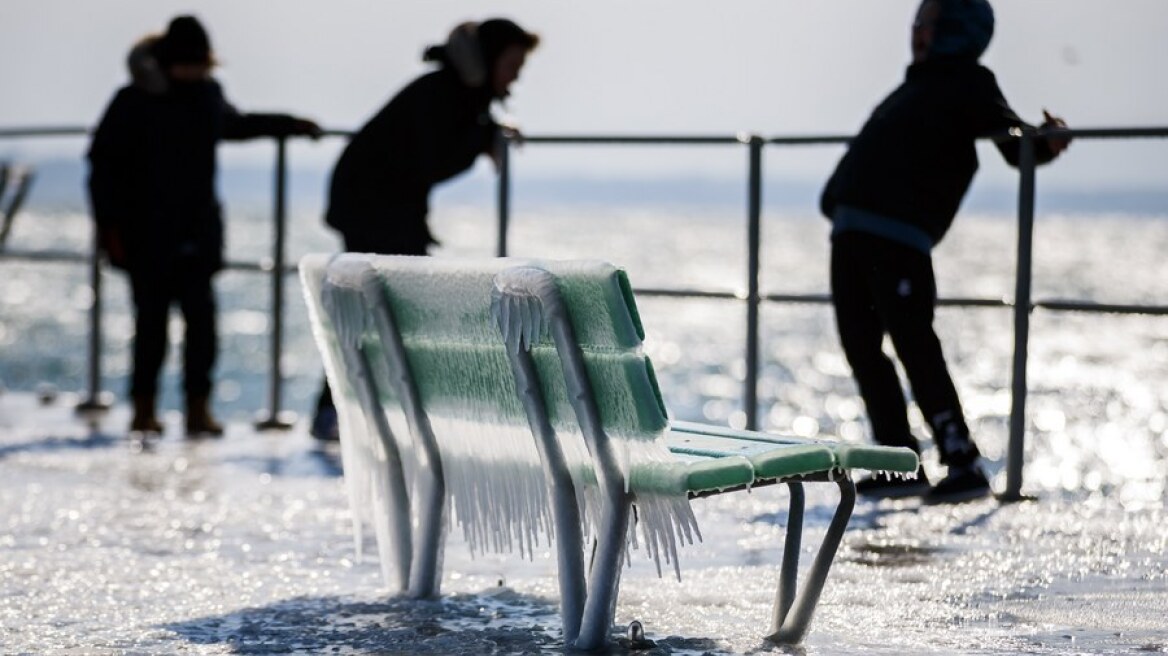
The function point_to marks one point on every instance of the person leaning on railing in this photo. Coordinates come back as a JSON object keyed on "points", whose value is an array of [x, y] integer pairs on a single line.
{"points": [[891, 199], [432, 130], [152, 195]]}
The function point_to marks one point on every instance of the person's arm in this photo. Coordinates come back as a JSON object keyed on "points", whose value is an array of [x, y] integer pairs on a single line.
{"points": [[111, 174], [239, 126], [991, 114]]}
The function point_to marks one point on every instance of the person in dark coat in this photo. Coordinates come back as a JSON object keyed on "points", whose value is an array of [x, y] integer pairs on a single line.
{"points": [[430, 131], [152, 195], [891, 199]]}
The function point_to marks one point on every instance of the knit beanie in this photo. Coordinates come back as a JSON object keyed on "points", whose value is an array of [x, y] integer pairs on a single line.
{"points": [[185, 42], [963, 28]]}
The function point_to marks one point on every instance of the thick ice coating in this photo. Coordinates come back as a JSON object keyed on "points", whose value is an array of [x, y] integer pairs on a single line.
{"points": [[457, 329]]}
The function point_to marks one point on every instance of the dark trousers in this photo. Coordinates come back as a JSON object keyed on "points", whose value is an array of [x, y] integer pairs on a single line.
{"points": [[188, 284], [879, 288]]}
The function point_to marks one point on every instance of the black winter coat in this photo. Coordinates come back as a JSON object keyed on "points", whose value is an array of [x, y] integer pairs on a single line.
{"points": [[431, 131], [152, 172], [914, 159]]}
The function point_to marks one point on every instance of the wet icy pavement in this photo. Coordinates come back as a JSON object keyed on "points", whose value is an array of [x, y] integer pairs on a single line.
{"points": [[243, 545]]}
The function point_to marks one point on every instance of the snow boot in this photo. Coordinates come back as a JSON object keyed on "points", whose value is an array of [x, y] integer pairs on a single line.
{"points": [[200, 422], [144, 420]]}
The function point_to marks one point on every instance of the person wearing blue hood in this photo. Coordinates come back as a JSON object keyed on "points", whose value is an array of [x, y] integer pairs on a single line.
{"points": [[891, 199]]}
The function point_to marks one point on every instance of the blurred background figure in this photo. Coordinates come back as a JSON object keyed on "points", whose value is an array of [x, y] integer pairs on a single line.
{"points": [[891, 199], [432, 130], [152, 195]]}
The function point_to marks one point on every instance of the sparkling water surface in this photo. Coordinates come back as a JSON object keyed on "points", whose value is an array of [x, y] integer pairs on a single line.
{"points": [[244, 545]]}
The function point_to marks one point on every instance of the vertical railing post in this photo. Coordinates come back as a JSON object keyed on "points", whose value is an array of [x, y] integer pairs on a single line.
{"points": [[504, 196], [96, 400], [1016, 449], [754, 222], [276, 376]]}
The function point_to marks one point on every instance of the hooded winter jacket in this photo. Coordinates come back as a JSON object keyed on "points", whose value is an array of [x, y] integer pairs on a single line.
{"points": [[432, 130], [914, 159], [153, 165]]}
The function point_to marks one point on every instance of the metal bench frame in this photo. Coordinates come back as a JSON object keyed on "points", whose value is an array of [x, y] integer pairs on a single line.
{"points": [[588, 594]]}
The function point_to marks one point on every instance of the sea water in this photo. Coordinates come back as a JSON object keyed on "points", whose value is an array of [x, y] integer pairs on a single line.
{"points": [[980, 578]]}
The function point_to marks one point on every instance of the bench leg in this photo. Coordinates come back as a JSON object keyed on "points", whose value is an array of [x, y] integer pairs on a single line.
{"points": [[789, 570], [397, 495], [565, 510], [792, 622], [429, 480], [523, 286], [600, 607]]}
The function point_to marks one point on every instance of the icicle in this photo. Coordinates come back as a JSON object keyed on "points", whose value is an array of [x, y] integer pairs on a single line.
{"points": [[498, 497], [519, 315]]}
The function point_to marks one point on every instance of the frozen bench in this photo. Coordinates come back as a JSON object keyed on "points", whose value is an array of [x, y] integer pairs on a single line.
{"points": [[516, 392]]}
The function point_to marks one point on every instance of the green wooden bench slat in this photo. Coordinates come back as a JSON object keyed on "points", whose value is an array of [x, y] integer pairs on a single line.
{"points": [[692, 474], [723, 473], [877, 458], [846, 456], [449, 299], [461, 379], [767, 461]]}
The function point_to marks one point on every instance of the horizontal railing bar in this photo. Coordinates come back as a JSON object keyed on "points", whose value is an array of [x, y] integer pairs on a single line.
{"points": [[826, 298], [71, 257], [809, 140], [666, 139], [633, 139], [1061, 305], [1111, 133], [1058, 305], [261, 267], [1077, 133], [68, 257], [1104, 308], [44, 131], [689, 293], [797, 298], [976, 302]]}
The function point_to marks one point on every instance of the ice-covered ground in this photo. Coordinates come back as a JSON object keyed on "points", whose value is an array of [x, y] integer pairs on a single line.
{"points": [[243, 545]]}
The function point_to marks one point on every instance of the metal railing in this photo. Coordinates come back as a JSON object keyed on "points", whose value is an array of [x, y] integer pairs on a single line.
{"points": [[1022, 304], [276, 267]]}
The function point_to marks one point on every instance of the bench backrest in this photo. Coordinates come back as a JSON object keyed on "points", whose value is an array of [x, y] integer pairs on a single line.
{"points": [[442, 309], [458, 362]]}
